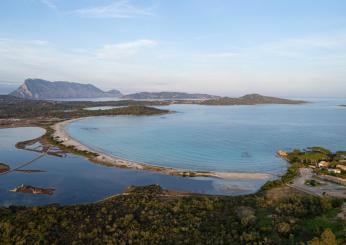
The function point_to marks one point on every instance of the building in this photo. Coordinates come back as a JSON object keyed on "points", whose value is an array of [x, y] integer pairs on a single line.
{"points": [[342, 167], [334, 170], [323, 164]]}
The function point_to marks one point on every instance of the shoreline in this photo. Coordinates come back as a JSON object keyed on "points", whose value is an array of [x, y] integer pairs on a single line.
{"points": [[61, 135]]}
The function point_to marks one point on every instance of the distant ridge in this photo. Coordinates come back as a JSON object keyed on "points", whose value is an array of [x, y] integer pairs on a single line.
{"points": [[168, 96], [250, 99], [206, 99], [40, 89], [43, 89]]}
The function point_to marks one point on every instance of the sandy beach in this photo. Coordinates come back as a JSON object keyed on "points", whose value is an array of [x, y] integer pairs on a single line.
{"points": [[110, 160]]}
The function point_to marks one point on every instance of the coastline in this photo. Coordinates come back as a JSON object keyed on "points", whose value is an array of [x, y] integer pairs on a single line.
{"points": [[61, 135]]}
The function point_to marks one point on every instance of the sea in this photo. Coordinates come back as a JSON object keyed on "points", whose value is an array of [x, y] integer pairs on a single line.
{"points": [[194, 137]]}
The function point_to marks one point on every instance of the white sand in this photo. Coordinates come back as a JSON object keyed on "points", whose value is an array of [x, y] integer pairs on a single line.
{"points": [[107, 159]]}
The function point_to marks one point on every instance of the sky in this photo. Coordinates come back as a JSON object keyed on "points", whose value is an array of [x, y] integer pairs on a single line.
{"points": [[286, 48]]}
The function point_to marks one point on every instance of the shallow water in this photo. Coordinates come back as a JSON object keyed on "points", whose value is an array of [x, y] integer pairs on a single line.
{"points": [[236, 138], [78, 180], [218, 138]]}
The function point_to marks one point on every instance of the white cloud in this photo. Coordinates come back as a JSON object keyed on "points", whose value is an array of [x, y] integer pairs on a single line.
{"points": [[307, 46], [117, 9], [133, 66], [20, 59], [122, 50], [49, 3]]}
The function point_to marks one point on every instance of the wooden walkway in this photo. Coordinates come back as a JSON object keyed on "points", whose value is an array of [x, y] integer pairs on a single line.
{"points": [[27, 163]]}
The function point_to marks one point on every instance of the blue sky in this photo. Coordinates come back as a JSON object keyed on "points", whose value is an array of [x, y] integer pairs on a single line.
{"points": [[286, 48]]}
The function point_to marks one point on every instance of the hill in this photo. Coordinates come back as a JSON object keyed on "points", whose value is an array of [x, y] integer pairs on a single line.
{"points": [[250, 99], [169, 96], [43, 89], [206, 99], [152, 215]]}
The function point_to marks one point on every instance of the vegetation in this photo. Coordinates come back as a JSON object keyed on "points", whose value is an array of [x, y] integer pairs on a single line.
{"points": [[48, 138], [150, 215], [12, 107], [312, 182], [291, 173], [327, 237], [314, 155], [4, 167], [250, 99]]}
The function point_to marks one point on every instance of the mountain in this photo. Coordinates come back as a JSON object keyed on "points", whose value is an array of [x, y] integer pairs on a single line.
{"points": [[169, 96], [250, 99], [42, 89]]}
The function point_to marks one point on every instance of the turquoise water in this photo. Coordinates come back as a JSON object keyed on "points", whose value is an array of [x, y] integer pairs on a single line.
{"points": [[219, 138], [77, 180], [236, 138]]}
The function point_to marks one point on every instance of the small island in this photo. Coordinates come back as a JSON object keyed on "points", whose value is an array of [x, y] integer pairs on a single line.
{"points": [[278, 213], [33, 190], [4, 168]]}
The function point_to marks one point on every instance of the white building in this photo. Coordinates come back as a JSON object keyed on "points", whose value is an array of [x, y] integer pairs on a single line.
{"points": [[342, 167], [334, 170], [323, 164]]}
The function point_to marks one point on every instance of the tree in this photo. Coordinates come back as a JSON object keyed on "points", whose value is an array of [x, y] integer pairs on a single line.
{"points": [[327, 238]]}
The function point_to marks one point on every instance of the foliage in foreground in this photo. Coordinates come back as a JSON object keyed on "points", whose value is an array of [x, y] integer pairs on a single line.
{"points": [[151, 215]]}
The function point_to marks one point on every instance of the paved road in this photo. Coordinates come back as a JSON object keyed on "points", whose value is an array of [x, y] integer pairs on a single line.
{"points": [[327, 188]]}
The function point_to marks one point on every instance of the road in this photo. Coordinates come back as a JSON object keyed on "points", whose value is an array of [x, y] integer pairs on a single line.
{"points": [[327, 188]]}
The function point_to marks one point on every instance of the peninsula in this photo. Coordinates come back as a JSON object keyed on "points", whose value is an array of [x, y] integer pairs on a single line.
{"points": [[53, 116], [169, 96], [136, 214]]}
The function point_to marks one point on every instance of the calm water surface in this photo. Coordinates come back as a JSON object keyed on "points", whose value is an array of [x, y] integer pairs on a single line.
{"points": [[235, 138], [219, 138], [77, 180]]}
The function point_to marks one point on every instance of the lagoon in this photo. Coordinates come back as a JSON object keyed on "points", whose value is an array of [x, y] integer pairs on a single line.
{"points": [[222, 138], [217, 138], [77, 180]]}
